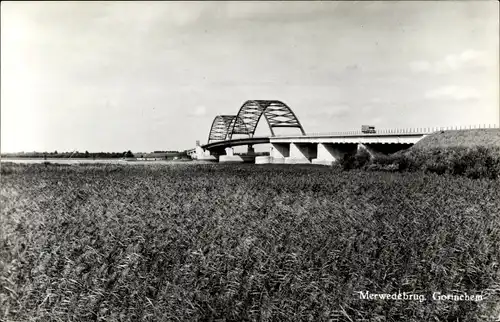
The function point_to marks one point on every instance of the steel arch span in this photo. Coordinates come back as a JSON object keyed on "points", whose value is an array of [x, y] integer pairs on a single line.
{"points": [[221, 126], [276, 113]]}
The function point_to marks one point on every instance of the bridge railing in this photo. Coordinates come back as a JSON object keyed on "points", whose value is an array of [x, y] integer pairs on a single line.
{"points": [[417, 130]]}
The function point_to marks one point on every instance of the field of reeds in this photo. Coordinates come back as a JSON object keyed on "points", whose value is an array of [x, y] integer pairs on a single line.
{"points": [[244, 243]]}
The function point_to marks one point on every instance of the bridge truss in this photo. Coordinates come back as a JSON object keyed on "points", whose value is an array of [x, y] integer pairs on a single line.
{"points": [[276, 113], [221, 126]]}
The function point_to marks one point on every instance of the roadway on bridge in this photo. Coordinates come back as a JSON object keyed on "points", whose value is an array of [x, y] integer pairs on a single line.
{"points": [[354, 137]]}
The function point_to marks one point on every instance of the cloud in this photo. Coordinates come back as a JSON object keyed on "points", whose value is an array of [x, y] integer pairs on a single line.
{"points": [[453, 93], [199, 111], [468, 58]]}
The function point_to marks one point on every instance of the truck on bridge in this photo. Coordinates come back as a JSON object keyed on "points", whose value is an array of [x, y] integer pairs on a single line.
{"points": [[368, 129]]}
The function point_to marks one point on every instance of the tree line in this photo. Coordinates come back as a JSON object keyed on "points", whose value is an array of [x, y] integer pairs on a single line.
{"points": [[85, 155], [74, 154]]}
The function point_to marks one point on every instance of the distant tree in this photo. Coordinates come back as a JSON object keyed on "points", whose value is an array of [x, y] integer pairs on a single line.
{"points": [[87, 154], [129, 154]]}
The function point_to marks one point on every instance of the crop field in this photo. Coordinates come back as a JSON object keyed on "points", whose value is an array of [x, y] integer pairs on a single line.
{"points": [[245, 243]]}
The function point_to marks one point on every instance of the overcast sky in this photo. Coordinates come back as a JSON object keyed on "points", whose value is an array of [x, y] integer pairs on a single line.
{"points": [[144, 76]]}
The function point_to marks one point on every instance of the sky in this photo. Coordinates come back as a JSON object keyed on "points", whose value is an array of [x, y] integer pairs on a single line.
{"points": [[145, 76]]}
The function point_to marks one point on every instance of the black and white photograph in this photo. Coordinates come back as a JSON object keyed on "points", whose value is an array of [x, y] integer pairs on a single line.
{"points": [[333, 161]]}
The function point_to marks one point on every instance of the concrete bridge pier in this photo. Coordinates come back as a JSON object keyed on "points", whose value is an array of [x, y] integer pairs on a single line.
{"points": [[229, 151], [329, 153], [279, 151], [229, 157], [301, 153]]}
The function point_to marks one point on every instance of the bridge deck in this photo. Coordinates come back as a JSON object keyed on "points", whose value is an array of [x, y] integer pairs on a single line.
{"points": [[347, 137]]}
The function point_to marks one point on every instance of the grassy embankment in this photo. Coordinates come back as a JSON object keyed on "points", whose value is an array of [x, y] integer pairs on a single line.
{"points": [[238, 242], [471, 153], [487, 138]]}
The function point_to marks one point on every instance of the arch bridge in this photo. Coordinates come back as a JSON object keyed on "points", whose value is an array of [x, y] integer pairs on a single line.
{"points": [[302, 148], [276, 113]]}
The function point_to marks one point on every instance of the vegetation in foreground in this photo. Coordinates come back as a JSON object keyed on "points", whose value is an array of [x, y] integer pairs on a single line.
{"points": [[472, 162], [244, 242], [471, 153]]}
